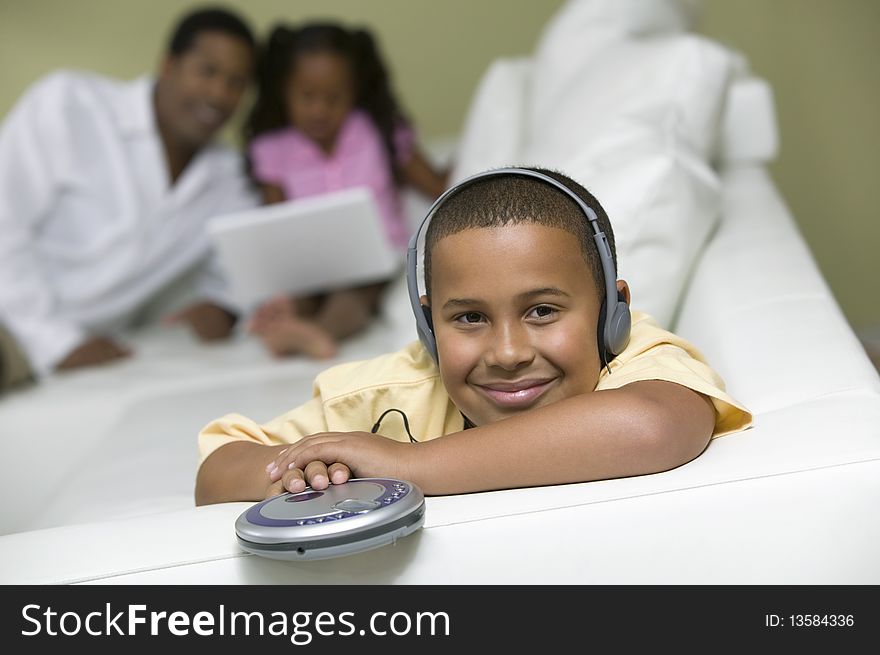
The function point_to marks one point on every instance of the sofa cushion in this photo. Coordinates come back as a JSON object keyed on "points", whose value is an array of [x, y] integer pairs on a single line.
{"points": [[620, 17], [493, 134], [673, 83], [584, 29]]}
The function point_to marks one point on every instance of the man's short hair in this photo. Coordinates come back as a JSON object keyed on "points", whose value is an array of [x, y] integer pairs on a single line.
{"points": [[512, 200], [209, 19]]}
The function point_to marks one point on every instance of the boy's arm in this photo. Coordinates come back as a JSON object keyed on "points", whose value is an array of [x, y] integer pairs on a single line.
{"points": [[236, 472], [236, 451], [643, 427]]}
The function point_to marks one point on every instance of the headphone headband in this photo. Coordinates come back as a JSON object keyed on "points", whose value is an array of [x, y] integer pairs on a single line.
{"points": [[614, 326]]}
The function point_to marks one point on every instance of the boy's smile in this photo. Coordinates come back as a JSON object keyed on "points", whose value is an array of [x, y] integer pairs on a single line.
{"points": [[515, 310]]}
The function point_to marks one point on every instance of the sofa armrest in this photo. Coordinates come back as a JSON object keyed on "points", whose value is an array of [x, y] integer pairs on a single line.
{"points": [[747, 130], [759, 309]]}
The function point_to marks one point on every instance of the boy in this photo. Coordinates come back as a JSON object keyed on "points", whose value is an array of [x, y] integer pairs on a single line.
{"points": [[520, 393]]}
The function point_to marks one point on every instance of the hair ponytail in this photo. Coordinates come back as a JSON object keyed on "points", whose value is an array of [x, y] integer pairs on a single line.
{"points": [[268, 112], [374, 93]]}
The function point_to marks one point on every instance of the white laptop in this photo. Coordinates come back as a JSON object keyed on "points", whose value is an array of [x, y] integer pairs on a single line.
{"points": [[305, 246]]}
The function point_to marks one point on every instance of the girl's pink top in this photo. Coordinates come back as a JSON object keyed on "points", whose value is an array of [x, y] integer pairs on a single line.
{"points": [[290, 160]]}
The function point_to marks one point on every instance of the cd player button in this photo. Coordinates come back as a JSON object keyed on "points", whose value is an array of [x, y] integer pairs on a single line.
{"points": [[356, 505]]}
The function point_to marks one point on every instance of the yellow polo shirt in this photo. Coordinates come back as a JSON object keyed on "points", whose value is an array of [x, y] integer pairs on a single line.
{"points": [[352, 396]]}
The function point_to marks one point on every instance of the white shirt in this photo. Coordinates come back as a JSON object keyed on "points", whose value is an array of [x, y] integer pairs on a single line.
{"points": [[90, 226]]}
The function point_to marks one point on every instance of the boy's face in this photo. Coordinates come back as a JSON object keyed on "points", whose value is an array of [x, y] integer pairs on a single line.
{"points": [[515, 311]]}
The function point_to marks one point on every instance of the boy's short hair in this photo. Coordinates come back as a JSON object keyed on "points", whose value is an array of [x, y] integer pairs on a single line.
{"points": [[512, 200], [209, 19]]}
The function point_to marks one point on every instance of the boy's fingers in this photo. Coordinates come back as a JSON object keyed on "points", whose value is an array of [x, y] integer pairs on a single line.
{"points": [[293, 481], [339, 473], [276, 468], [274, 489], [316, 475]]}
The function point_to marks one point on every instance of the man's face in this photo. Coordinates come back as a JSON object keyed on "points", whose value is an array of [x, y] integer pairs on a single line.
{"points": [[515, 311], [198, 90]]}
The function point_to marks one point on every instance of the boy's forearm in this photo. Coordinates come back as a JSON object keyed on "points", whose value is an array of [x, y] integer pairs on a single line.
{"points": [[235, 472], [642, 428]]}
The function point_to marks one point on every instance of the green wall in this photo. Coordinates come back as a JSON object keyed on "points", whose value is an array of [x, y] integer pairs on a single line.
{"points": [[437, 49], [819, 55], [822, 58]]}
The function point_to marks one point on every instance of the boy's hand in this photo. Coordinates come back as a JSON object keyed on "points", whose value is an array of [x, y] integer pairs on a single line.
{"points": [[350, 454]]}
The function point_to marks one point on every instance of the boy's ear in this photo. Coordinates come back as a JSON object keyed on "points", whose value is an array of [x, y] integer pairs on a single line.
{"points": [[623, 289], [424, 301]]}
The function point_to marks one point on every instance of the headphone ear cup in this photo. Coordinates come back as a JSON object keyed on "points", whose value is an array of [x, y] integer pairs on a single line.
{"points": [[613, 334], [427, 337], [618, 328], [600, 334], [428, 318]]}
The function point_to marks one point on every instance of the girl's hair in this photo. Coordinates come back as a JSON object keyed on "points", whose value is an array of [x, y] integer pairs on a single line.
{"points": [[373, 92]]}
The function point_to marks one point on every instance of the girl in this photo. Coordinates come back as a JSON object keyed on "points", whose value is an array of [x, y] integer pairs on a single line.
{"points": [[325, 118]]}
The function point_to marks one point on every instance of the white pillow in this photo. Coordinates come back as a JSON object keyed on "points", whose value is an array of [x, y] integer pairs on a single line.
{"points": [[674, 83], [663, 203], [493, 130], [583, 29], [624, 17]]}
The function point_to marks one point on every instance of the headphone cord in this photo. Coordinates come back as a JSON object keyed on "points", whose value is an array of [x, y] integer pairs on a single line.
{"points": [[375, 428], [467, 423]]}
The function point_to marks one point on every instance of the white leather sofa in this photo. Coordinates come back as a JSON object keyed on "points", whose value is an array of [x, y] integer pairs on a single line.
{"points": [[98, 466]]}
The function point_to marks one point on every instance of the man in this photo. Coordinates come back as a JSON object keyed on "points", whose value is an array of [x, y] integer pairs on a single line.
{"points": [[105, 189]]}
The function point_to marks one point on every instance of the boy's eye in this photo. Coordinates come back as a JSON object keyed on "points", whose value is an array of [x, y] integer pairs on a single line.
{"points": [[469, 317], [542, 311]]}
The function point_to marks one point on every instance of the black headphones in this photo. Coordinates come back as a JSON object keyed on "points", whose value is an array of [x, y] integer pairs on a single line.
{"points": [[614, 326]]}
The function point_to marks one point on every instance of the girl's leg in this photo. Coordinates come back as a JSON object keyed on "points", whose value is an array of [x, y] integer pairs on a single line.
{"points": [[286, 326], [297, 335], [312, 326], [349, 311]]}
